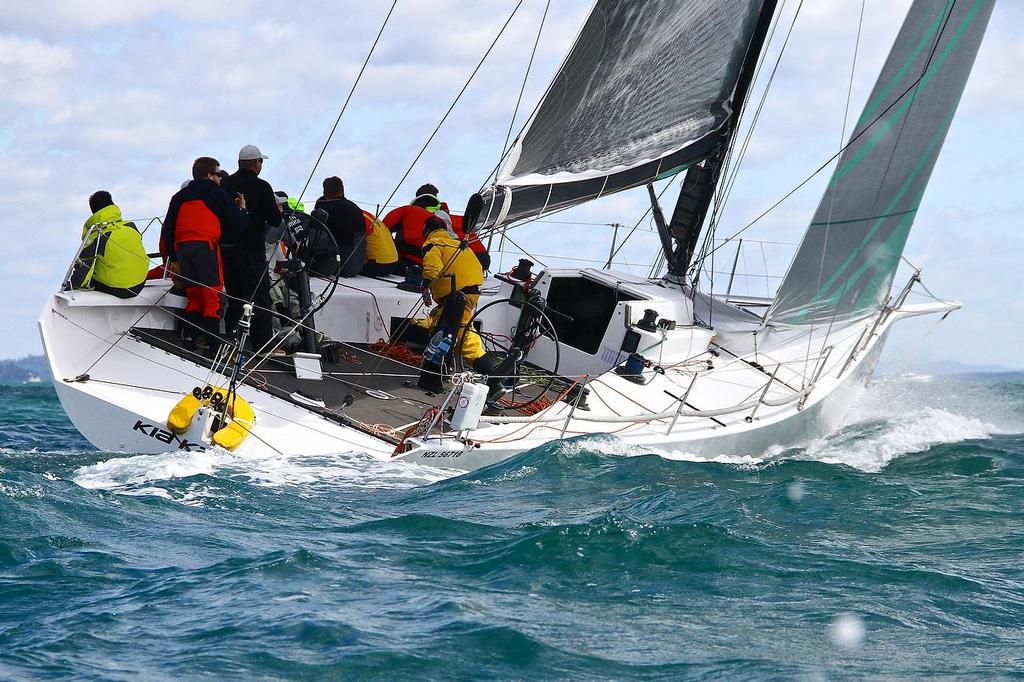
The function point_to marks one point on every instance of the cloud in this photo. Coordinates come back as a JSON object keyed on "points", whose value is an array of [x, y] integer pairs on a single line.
{"points": [[100, 14], [123, 94], [31, 70]]}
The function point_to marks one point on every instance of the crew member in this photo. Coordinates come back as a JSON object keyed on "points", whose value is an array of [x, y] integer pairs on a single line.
{"points": [[112, 258], [406, 223], [381, 254], [198, 217], [448, 267], [345, 221], [245, 255]]}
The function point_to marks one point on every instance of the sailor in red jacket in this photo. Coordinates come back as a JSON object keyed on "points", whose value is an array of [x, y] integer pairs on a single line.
{"points": [[406, 223], [197, 217]]}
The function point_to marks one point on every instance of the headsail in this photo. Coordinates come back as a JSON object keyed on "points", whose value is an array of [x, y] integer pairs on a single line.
{"points": [[847, 260], [642, 95]]}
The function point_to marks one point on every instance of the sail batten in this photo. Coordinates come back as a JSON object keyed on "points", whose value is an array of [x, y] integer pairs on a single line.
{"points": [[644, 94], [845, 264]]}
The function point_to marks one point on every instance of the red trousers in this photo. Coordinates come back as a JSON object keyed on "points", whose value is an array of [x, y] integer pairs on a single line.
{"points": [[204, 300], [203, 276]]}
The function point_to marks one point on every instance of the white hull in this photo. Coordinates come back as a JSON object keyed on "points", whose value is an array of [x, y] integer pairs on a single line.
{"points": [[123, 404]]}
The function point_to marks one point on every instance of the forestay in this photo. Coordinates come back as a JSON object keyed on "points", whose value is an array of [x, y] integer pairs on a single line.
{"points": [[846, 262], [642, 95]]}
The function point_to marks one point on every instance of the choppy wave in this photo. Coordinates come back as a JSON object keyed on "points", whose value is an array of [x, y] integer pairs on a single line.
{"points": [[888, 550]]}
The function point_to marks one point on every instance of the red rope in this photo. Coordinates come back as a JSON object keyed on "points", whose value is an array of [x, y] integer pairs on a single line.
{"points": [[539, 405], [416, 429], [399, 351]]}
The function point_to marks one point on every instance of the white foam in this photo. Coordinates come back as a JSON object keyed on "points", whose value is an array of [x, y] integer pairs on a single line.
{"points": [[904, 414], [915, 431], [603, 444], [606, 444], [897, 415], [133, 471], [136, 475]]}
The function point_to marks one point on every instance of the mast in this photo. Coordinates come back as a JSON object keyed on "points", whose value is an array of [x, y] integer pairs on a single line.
{"points": [[701, 179]]}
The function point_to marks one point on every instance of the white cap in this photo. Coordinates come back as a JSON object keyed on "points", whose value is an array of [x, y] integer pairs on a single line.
{"points": [[250, 152]]}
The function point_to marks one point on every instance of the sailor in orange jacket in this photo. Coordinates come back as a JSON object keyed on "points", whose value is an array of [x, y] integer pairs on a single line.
{"points": [[198, 216], [406, 223]]}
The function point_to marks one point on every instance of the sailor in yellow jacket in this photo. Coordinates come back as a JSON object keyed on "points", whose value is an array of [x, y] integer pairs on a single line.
{"points": [[112, 259], [448, 267]]}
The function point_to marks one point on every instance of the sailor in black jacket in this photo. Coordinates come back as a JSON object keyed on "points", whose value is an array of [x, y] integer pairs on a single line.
{"points": [[245, 257], [345, 221]]}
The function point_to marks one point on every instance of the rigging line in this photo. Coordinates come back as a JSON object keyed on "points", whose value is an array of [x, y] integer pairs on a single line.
{"points": [[540, 101], [764, 261], [734, 170], [145, 312], [929, 292], [724, 189], [454, 102], [832, 193], [726, 192], [347, 100], [643, 217], [905, 355], [656, 265], [506, 148], [524, 251], [522, 89], [820, 168]]}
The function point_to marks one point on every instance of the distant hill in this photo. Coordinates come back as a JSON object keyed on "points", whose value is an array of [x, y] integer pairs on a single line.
{"points": [[22, 369], [949, 367]]}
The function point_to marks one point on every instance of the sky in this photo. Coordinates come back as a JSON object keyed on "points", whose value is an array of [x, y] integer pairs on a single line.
{"points": [[123, 94]]}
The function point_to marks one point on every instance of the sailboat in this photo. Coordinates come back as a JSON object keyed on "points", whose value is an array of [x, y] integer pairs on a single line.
{"points": [[650, 89]]}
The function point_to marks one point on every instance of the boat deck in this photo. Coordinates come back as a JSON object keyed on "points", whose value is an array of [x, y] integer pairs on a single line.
{"points": [[384, 396]]}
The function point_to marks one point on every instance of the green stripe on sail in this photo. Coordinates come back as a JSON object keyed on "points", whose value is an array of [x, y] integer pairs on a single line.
{"points": [[882, 276], [672, 171], [902, 109], [819, 296], [871, 107], [922, 162]]}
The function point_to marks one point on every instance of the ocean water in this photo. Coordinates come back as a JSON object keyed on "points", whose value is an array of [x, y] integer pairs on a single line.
{"points": [[890, 550]]}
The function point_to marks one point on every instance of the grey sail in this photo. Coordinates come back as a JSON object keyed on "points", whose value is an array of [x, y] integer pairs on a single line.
{"points": [[643, 94], [844, 267]]}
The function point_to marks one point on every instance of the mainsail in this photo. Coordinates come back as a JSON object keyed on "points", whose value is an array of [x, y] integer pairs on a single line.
{"points": [[845, 265], [643, 94]]}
